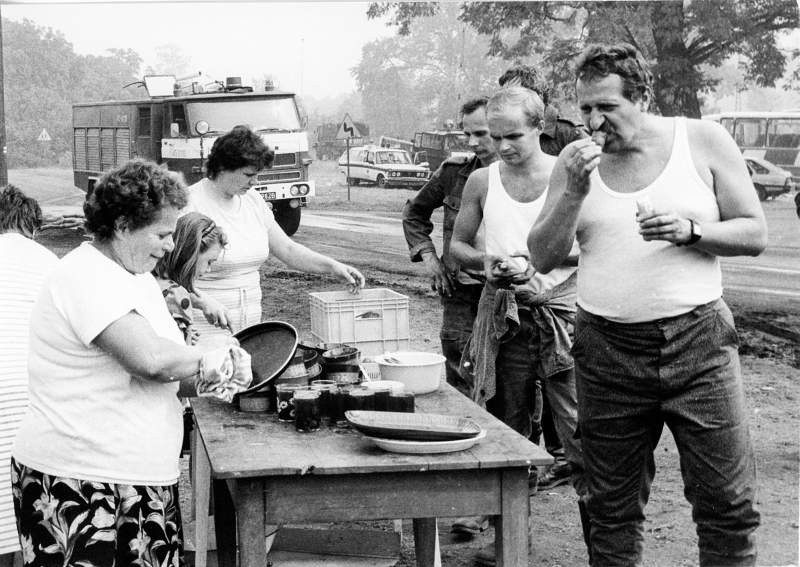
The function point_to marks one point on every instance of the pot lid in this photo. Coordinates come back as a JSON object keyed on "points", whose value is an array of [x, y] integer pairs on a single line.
{"points": [[271, 346]]}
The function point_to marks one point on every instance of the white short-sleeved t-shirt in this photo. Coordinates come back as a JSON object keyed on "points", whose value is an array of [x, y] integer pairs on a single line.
{"points": [[88, 417], [234, 279]]}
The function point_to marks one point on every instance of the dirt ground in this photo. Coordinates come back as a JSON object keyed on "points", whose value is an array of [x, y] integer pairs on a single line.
{"points": [[770, 360], [772, 388]]}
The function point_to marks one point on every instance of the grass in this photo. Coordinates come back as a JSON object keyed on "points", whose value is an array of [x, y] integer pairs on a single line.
{"points": [[332, 193]]}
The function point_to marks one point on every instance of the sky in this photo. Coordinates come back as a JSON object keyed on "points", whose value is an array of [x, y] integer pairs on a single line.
{"points": [[307, 47]]}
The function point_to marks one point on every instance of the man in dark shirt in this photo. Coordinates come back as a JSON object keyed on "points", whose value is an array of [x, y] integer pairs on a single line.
{"points": [[460, 290]]}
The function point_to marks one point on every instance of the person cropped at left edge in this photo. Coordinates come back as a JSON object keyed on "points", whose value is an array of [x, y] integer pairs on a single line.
{"points": [[24, 265], [95, 463], [229, 295]]}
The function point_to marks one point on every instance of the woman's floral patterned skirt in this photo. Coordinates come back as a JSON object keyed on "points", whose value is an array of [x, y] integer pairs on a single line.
{"points": [[66, 521]]}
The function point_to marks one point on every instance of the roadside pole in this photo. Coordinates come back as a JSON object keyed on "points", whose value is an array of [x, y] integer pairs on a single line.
{"points": [[3, 150], [347, 143], [346, 132]]}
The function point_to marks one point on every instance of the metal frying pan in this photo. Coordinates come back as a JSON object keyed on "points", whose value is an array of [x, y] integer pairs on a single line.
{"points": [[271, 346]]}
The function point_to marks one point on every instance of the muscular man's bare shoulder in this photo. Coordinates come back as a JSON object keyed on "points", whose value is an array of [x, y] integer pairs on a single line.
{"points": [[698, 127], [707, 137], [477, 184], [479, 176]]}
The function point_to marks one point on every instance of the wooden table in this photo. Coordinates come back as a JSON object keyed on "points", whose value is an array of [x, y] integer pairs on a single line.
{"points": [[266, 473]]}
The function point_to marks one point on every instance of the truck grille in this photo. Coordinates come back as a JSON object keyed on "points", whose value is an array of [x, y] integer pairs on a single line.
{"points": [[273, 176], [283, 159]]}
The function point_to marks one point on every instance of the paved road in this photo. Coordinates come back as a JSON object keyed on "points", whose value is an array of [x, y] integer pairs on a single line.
{"points": [[771, 280]]}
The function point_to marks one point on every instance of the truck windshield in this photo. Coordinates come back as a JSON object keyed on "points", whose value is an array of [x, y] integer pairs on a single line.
{"points": [[272, 114], [393, 157]]}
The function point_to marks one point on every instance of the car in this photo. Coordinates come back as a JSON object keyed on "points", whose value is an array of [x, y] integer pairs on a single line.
{"points": [[768, 179], [384, 167]]}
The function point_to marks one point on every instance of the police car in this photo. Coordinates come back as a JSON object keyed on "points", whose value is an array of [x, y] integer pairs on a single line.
{"points": [[384, 167]]}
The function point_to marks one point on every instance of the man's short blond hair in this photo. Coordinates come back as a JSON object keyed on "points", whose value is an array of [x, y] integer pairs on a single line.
{"points": [[530, 102]]}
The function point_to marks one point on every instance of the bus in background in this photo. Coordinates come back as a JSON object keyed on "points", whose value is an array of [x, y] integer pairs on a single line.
{"points": [[773, 136]]}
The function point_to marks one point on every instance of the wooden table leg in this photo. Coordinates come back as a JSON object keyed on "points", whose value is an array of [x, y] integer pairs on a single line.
{"points": [[225, 525], [201, 485], [250, 521], [511, 530], [426, 542]]}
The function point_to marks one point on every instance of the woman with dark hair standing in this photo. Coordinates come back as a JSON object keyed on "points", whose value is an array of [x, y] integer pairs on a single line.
{"points": [[95, 465], [23, 267], [230, 294]]}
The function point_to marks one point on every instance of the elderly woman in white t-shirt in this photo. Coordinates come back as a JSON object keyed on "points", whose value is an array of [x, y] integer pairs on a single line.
{"points": [[95, 465], [230, 293]]}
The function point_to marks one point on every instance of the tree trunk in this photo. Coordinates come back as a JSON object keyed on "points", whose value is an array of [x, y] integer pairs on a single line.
{"points": [[676, 79]]}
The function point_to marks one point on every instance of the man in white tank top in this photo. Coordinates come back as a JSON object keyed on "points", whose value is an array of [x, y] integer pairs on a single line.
{"points": [[524, 321], [653, 202]]}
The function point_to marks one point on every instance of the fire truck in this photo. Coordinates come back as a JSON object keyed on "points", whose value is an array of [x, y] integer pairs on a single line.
{"points": [[177, 125]]}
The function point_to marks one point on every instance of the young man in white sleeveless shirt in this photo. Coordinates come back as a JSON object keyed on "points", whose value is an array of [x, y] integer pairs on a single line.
{"points": [[653, 202], [522, 331]]}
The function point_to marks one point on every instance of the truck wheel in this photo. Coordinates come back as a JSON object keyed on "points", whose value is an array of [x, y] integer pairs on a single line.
{"points": [[288, 218], [761, 192], [380, 181]]}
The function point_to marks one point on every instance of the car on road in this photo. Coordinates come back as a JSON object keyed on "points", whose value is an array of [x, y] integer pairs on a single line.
{"points": [[768, 179], [384, 167]]}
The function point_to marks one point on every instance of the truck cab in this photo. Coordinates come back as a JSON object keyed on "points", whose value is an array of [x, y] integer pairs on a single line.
{"points": [[435, 146], [179, 130]]}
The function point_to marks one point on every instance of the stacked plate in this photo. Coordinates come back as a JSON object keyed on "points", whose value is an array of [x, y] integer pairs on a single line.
{"points": [[418, 433]]}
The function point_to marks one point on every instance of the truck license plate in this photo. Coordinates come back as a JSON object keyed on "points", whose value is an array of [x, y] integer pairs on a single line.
{"points": [[268, 196]]}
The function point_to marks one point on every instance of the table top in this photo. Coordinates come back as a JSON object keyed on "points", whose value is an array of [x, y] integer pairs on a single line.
{"points": [[242, 445]]}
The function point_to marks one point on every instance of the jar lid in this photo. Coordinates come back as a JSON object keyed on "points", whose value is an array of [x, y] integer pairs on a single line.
{"points": [[306, 394]]}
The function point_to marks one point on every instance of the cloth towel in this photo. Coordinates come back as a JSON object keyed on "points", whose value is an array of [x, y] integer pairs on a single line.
{"points": [[497, 321], [224, 372]]}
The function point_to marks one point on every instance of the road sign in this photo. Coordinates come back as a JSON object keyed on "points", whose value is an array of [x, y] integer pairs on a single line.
{"points": [[347, 129], [44, 136]]}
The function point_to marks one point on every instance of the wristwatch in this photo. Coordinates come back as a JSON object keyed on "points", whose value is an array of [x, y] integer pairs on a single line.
{"points": [[696, 233]]}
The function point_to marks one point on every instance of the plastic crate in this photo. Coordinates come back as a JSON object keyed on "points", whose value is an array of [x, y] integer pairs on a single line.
{"points": [[375, 320]]}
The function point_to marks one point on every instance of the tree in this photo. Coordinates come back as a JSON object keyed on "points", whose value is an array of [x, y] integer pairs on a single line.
{"points": [[679, 38], [171, 59], [420, 80], [43, 78]]}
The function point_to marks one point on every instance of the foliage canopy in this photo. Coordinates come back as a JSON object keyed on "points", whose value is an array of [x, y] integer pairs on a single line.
{"points": [[420, 81], [43, 78], [679, 38]]}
